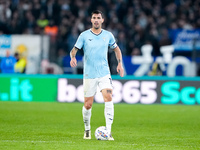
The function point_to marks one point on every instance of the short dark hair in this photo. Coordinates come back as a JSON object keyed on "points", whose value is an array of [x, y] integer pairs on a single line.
{"points": [[97, 12]]}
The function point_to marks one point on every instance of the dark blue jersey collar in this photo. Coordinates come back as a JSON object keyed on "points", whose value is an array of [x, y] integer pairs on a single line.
{"points": [[96, 34]]}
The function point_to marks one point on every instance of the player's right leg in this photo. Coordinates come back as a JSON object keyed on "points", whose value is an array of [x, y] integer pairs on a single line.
{"points": [[86, 111], [89, 92]]}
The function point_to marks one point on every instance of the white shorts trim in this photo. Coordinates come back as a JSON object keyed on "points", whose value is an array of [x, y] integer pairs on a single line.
{"points": [[90, 85]]}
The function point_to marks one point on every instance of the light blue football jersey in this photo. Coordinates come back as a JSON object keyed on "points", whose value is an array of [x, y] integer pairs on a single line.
{"points": [[95, 47]]}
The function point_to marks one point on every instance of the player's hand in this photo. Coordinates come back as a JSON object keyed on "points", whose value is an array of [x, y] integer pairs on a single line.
{"points": [[120, 70], [73, 62]]}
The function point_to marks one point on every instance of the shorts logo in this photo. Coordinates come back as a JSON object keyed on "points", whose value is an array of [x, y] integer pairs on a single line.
{"points": [[110, 81]]}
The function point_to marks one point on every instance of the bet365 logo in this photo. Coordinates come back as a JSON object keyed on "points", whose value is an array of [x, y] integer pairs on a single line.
{"points": [[18, 90], [131, 92]]}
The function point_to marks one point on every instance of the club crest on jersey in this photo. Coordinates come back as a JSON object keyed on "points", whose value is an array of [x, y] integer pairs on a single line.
{"points": [[104, 38]]}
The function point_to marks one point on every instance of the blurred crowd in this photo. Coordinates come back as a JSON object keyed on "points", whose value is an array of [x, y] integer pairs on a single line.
{"points": [[133, 22]]}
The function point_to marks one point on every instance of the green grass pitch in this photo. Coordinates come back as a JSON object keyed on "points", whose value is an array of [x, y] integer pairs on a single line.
{"points": [[59, 126]]}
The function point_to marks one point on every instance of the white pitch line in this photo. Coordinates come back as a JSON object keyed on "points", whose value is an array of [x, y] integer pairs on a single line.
{"points": [[150, 145], [36, 141], [155, 145]]}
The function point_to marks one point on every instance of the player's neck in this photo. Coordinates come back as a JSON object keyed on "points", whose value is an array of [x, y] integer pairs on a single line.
{"points": [[96, 31]]}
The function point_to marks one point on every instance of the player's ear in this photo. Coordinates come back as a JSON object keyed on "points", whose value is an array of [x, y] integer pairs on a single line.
{"points": [[102, 20]]}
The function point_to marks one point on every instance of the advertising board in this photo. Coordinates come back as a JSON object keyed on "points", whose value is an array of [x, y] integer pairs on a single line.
{"points": [[130, 89]]}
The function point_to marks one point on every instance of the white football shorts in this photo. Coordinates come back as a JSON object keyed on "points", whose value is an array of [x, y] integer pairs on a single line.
{"points": [[90, 85]]}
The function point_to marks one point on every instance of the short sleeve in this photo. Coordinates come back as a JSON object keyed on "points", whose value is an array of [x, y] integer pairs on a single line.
{"points": [[79, 42], [112, 43]]}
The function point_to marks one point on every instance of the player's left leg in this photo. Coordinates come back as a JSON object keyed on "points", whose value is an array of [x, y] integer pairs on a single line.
{"points": [[105, 85], [109, 109]]}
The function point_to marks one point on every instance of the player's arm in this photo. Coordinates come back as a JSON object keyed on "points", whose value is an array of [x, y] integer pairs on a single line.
{"points": [[118, 55], [73, 62]]}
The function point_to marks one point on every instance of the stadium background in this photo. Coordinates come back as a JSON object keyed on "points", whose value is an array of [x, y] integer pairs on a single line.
{"points": [[156, 103], [159, 39]]}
